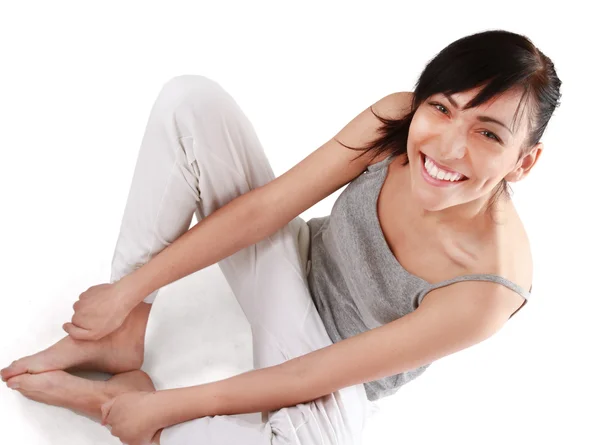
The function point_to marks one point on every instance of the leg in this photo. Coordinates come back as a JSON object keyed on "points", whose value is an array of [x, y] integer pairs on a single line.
{"points": [[267, 278], [162, 199], [121, 351], [270, 285]]}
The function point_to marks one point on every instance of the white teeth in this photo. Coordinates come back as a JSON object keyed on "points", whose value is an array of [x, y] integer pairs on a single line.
{"points": [[437, 173]]}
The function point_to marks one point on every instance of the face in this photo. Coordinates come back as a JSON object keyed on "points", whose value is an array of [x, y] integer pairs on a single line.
{"points": [[443, 139]]}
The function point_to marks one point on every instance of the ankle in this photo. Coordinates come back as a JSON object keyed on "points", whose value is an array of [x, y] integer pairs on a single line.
{"points": [[137, 320], [92, 402]]}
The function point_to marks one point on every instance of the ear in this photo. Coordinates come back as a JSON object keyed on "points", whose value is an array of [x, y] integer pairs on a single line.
{"points": [[526, 163]]}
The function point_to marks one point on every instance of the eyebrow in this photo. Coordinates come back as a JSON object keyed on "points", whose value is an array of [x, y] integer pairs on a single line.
{"points": [[480, 117]]}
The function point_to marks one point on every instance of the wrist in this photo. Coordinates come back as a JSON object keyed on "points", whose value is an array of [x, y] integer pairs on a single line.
{"points": [[129, 290], [166, 408], [178, 405], [159, 411]]}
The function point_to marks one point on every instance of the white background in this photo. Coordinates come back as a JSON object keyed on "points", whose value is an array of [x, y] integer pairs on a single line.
{"points": [[76, 86]]}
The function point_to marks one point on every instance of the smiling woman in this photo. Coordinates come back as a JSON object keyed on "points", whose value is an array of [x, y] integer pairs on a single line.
{"points": [[480, 107], [344, 309], [473, 124]]}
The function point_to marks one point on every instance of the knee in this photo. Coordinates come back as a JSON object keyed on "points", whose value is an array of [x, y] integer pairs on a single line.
{"points": [[185, 83], [188, 89]]}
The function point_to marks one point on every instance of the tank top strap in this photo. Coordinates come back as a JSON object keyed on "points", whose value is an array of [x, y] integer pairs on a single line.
{"points": [[476, 277], [379, 165], [480, 277]]}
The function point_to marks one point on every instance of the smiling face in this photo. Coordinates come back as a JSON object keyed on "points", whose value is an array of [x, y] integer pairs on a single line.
{"points": [[473, 142]]}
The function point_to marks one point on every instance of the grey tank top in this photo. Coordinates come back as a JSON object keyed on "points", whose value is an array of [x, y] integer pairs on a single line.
{"points": [[354, 278]]}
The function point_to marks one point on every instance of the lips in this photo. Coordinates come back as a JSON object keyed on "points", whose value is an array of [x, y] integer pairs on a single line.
{"points": [[441, 167]]}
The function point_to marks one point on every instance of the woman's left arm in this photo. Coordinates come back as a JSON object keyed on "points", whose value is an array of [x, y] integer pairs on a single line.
{"points": [[259, 390], [448, 319]]}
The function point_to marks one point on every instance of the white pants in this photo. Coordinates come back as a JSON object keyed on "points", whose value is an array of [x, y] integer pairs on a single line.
{"points": [[199, 152]]}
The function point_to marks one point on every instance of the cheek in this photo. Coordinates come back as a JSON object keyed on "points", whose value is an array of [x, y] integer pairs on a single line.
{"points": [[419, 133], [487, 170], [420, 128], [494, 165]]}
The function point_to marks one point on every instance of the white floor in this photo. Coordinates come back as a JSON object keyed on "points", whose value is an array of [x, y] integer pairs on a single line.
{"points": [[197, 333]]}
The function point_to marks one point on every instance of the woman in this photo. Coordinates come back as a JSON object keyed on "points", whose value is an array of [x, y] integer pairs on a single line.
{"points": [[337, 304]]}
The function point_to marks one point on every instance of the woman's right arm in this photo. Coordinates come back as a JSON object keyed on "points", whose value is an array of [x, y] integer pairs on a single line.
{"points": [[260, 212]]}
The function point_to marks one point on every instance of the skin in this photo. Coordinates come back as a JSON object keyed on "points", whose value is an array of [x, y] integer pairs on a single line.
{"points": [[88, 397], [456, 139], [438, 233], [450, 136]]}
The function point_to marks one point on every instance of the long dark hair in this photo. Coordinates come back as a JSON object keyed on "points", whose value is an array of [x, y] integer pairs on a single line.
{"points": [[497, 59]]}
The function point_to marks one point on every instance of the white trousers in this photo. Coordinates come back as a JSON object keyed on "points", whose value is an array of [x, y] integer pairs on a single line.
{"points": [[199, 152]]}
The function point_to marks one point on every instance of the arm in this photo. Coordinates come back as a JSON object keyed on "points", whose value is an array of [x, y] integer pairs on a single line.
{"points": [[449, 319], [260, 390], [213, 238], [262, 211]]}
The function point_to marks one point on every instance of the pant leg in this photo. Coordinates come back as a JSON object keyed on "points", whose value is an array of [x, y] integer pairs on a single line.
{"points": [[269, 282], [198, 153], [164, 189], [181, 168], [288, 326]]}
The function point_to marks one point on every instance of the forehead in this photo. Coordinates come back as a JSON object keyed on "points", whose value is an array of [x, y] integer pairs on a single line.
{"points": [[506, 100]]}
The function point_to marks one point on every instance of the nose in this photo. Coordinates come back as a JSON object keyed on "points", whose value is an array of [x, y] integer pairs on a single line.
{"points": [[454, 144]]}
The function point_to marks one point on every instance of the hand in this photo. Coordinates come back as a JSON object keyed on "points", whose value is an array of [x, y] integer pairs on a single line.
{"points": [[100, 310], [132, 417]]}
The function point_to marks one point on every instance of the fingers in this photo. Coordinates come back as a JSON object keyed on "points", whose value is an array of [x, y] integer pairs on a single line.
{"points": [[78, 333], [105, 409]]}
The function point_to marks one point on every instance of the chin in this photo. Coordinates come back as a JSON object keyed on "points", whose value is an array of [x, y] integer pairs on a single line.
{"points": [[428, 201]]}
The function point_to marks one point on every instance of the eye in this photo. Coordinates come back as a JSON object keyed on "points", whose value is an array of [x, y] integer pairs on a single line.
{"points": [[436, 105], [444, 110], [494, 136]]}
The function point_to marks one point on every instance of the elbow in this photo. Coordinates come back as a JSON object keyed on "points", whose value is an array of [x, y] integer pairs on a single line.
{"points": [[259, 210]]}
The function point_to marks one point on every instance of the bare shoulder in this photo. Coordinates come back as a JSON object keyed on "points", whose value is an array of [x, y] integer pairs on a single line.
{"points": [[516, 258], [513, 256], [506, 252], [393, 106]]}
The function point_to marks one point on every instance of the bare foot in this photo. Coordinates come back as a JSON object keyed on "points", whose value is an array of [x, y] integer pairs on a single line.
{"points": [[121, 351], [84, 396], [60, 388]]}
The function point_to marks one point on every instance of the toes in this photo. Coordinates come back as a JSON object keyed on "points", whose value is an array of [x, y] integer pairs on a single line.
{"points": [[27, 382], [34, 382], [4, 372], [17, 367], [16, 382]]}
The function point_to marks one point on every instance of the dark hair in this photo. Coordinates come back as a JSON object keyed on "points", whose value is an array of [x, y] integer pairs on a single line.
{"points": [[498, 60]]}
